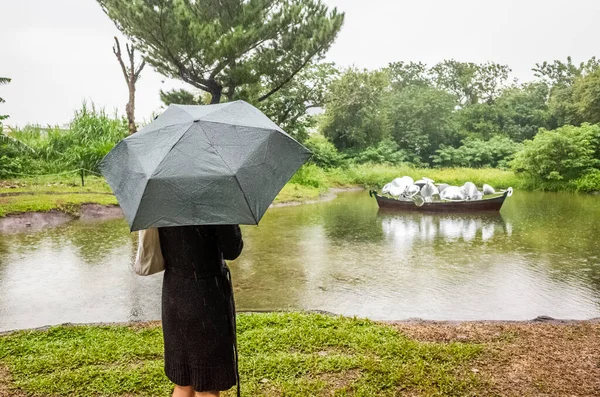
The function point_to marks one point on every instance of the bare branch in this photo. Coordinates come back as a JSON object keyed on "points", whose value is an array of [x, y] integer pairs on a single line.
{"points": [[130, 52], [139, 70], [131, 75], [117, 51]]}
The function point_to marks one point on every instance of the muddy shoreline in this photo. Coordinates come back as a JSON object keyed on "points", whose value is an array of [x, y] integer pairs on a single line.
{"points": [[35, 221], [410, 322]]}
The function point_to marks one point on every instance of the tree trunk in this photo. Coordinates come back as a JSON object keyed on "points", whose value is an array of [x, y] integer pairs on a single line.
{"points": [[130, 108], [131, 74], [216, 96]]}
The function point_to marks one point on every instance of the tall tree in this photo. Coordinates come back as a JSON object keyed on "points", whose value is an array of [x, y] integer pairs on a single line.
{"points": [[3, 80], [471, 83], [519, 112], [354, 115], [524, 110], [559, 73], [564, 78], [219, 45], [421, 119], [406, 74], [586, 96], [291, 105], [132, 75]]}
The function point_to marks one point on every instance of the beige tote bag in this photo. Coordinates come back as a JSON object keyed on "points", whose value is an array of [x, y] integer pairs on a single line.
{"points": [[149, 259]]}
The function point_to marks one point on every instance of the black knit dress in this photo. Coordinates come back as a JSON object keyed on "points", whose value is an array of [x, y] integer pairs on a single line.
{"points": [[198, 314]]}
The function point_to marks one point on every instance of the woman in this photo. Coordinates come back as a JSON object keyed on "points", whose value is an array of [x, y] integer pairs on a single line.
{"points": [[198, 312]]}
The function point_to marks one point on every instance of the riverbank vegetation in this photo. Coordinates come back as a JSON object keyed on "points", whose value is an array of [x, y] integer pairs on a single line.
{"points": [[410, 115], [56, 192], [406, 119], [66, 193], [297, 354]]}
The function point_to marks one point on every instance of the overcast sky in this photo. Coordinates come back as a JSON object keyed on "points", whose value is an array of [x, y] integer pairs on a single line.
{"points": [[59, 52]]}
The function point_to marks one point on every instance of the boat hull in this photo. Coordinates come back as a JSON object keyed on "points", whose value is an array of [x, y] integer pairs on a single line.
{"points": [[486, 205]]}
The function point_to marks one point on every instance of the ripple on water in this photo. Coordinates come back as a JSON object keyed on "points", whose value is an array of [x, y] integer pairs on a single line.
{"points": [[540, 257]]}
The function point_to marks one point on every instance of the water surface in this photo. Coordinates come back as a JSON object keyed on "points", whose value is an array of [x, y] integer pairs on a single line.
{"points": [[540, 256]]}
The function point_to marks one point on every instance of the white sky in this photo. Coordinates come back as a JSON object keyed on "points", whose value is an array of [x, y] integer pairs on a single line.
{"points": [[59, 52]]}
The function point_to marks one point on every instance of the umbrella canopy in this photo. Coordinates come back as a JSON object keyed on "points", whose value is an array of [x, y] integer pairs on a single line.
{"points": [[202, 165]]}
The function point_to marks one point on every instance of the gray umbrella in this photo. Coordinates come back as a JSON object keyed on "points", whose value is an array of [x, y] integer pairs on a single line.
{"points": [[199, 165]]}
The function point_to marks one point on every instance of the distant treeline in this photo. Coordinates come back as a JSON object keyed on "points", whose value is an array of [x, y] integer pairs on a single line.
{"points": [[452, 114]]}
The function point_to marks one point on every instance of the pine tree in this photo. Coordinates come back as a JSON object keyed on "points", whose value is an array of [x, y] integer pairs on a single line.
{"points": [[219, 45]]}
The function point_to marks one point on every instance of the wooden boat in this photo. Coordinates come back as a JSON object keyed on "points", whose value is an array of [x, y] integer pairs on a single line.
{"points": [[483, 205]]}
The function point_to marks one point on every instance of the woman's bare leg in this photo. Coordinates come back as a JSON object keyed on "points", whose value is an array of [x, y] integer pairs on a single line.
{"points": [[207, 394], [183, 391]]}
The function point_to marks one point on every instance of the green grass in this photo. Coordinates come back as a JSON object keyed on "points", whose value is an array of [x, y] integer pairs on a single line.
{"points": [[379, 175], [69, 203], [67, 194], [57, 183], [293, 192], [289, 354]]}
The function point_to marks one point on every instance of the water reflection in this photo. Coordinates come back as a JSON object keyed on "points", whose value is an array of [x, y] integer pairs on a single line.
{"points": [[80, 272], [406, 227], [540, 256]]}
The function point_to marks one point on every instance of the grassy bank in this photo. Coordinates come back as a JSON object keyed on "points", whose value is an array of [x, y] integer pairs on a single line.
{"points": [[280, 354], [377, 175], [65, 193], [42, 194], [315, 355], [308, 184]]}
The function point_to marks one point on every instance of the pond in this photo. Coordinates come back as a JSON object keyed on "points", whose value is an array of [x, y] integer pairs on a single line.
{"points": [[540, 256]]}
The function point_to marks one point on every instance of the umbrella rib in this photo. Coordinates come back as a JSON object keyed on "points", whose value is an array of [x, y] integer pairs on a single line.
{"points": [[245, 198], [269, 129], [234, 176]]}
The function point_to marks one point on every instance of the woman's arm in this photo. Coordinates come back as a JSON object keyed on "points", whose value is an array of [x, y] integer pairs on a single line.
{"points": [[229, 239]]}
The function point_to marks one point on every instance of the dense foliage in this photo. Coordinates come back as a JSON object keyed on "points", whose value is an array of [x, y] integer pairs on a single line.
{"points": [[566, 153], [458, 114], [325, 154], [92, 134], [221, 48], [474, 152], [354, 116], [409, 114]]}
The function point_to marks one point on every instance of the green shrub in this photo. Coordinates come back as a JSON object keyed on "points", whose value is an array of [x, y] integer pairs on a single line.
{"points": [[92, 135], [324, 152], [15, 156], [310, 175], [36, 150], [385, 152], [590, 182], [498, 151], [564, 154]]}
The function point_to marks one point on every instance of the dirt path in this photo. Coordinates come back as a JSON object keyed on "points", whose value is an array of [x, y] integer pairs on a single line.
{"points": [[5, 381], [526, 359]]}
